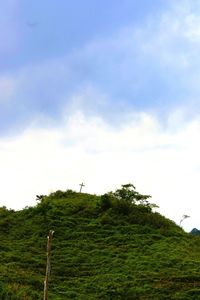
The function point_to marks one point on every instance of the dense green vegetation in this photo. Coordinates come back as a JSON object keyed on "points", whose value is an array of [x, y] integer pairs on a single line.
{"points": [[105, 247], [195, 231]]}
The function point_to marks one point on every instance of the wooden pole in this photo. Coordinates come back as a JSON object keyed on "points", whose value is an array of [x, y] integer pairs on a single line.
{"points": [[48, 266]]}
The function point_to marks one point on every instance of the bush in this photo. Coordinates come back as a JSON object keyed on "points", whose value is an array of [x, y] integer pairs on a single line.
{"points": [[105, 202]]}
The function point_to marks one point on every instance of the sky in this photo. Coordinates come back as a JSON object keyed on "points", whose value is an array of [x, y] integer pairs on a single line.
{"points": [[101, 92]]}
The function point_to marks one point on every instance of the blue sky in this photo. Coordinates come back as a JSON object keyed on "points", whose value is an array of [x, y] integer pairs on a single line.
{"points": [[65, 25], [88, 86], [90, 40]]}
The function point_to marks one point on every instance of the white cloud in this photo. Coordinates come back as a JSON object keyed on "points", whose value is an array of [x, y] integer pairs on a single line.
{"points": [[158, 162]]}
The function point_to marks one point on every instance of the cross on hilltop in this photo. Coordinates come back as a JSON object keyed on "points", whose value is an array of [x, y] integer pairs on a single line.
{"points": [[81, 186]]}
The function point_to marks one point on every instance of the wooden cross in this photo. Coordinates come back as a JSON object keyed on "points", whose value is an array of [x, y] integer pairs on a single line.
{"points": [[81, 186]]}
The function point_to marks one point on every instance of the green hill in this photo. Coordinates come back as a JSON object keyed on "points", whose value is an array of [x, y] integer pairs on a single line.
{"points": [[104, 247]]}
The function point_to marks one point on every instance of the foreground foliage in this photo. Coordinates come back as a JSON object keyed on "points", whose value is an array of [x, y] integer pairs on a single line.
{"points": [[105, 247]]}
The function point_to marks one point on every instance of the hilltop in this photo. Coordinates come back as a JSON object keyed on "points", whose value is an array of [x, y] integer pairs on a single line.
{"points": [[112, 246]]}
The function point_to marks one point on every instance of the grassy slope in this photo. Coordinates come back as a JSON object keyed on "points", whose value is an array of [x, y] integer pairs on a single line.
{"points": [[96, 253]]}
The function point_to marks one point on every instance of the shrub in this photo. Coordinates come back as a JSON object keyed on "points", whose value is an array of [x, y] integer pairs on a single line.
{"points": [[105, 202]]}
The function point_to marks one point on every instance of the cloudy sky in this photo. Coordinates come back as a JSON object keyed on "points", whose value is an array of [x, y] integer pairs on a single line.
{"points": [[104, 92]]}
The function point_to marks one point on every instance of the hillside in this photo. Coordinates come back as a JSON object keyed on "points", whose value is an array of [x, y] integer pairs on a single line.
{"points": [[104, 247]]}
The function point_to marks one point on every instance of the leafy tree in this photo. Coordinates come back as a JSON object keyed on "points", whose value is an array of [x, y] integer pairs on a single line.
{"points": [[129, 194], [125, 199]]}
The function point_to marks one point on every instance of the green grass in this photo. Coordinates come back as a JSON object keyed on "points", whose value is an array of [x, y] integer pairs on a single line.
{"points": [[113, 251]]}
